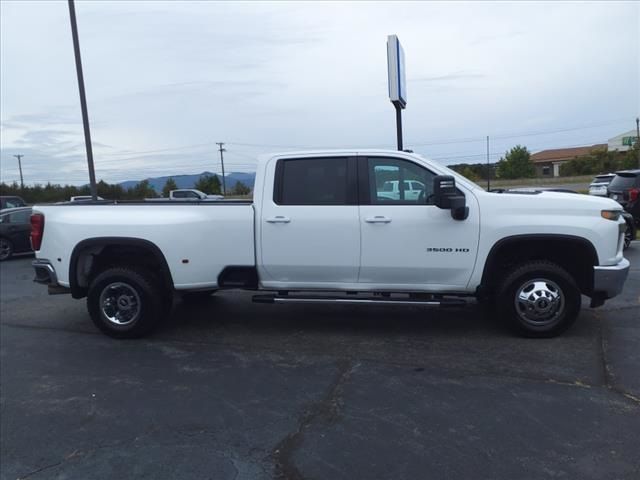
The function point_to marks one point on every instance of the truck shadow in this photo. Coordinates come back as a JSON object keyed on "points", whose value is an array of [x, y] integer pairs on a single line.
{"points": [[234, 312], [454, 339]]}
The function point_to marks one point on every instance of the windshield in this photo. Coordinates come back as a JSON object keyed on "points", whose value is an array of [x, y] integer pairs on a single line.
{"points": [[602, 179]]}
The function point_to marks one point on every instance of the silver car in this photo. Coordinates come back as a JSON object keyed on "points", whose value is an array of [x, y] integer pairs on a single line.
{"points": [[599, 184]]}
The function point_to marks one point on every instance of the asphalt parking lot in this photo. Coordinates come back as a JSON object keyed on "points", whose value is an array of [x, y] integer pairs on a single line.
{"points": [[229, 389]]}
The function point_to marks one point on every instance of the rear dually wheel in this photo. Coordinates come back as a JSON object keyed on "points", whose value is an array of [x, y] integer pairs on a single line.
{"points": [[126, 302]]}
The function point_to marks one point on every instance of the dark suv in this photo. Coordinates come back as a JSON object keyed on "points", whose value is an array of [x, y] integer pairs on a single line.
{"points": [[625, 189]]}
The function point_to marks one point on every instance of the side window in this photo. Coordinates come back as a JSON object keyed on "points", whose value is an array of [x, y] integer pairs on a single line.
{"points": [[19, 217], [178, 195], [191, 195], [399, 182], [312, 181]]}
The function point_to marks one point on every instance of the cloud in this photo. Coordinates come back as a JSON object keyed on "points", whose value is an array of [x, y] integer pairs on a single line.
{"points": [[449, 77], [166, 80]]}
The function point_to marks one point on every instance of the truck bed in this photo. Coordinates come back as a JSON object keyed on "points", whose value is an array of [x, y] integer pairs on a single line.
{"points": [[198, 239]]}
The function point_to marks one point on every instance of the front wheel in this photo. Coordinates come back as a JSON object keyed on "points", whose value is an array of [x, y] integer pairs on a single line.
{"points": [[126, 302], [629, 234], [539, 299], [6, 249]]}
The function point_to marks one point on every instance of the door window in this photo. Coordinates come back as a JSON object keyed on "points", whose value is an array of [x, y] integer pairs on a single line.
{"points": [[313, 181], [399, 182], [20, 217]]}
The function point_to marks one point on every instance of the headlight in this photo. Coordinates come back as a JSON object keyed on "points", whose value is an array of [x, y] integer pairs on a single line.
{"points": [[611, 214]]}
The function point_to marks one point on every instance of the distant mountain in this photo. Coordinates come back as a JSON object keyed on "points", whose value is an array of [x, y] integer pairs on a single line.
{"points": [[188, 181]]}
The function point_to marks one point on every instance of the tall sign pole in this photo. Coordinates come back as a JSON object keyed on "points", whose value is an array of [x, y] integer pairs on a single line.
{"points": [[397, 82], [83, 100]]}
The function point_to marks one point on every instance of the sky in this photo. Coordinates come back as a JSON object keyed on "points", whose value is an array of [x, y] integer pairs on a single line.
{"points": [[166, 80]]}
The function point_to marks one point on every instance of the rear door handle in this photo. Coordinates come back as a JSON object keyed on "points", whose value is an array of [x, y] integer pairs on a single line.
{"points": [[378, 219], [278, 219]]}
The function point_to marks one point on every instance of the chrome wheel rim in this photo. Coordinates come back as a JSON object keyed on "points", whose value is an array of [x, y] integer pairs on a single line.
{"points": [[539, 302], [120, 303], [5, 249]]}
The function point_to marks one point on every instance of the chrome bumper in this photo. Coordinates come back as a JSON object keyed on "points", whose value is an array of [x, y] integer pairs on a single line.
{"points": [[608, 281], [45, 273]]}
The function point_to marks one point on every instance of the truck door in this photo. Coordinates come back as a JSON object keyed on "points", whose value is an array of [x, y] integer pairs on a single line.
{"points": [[407, 242], [310, 228]]}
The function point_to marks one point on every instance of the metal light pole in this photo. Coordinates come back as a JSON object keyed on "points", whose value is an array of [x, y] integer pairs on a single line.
{"points": [[638, 141], [19, 157], [83, 101], [488, 168]]}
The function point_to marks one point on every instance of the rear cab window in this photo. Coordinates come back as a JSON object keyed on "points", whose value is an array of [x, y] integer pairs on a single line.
{"points": [[315, 181]]}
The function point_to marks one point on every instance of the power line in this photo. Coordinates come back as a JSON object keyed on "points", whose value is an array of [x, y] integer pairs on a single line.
{"points": [[513, 135]]}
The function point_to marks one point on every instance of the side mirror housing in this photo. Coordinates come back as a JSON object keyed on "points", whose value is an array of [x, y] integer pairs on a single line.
{"points": [[446, 196]]}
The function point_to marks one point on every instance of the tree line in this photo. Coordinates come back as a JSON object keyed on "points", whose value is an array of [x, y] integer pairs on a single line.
{"points": [[516, 163], [51, 192]]}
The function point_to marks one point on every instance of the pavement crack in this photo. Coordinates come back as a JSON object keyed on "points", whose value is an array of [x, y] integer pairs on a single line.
{"points": [[608, 376], [41, 469], [326, 409]]}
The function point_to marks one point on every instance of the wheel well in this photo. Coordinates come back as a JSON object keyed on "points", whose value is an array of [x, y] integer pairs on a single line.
{"points": [[92, 256], [576, 255]]}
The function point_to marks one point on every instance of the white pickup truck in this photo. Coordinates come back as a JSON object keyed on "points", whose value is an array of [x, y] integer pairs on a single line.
{"points": [[321, 229]]}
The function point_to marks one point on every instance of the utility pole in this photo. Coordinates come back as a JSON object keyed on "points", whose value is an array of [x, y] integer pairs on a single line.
{"points": [[19, 157], [221, 150], [488, 168], [638, 140], [83, 100]]}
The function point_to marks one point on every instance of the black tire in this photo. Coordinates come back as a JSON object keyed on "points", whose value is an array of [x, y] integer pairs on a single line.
{"points": [[549, 303], [629, 234], [134, 294], [6, 249]]}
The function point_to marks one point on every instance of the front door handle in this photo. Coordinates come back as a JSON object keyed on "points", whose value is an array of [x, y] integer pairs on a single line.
{"points": [[378, 219], [278, 219]]}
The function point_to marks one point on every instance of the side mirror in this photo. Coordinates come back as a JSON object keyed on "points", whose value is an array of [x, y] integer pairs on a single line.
{"points": [[446, 196]]}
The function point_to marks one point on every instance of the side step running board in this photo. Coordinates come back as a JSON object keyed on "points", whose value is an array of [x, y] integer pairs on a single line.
{"points": [[441, 302]]}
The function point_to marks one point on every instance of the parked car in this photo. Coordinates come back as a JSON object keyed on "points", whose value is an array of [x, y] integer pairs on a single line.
{"points": [[625, 189], [317, 232], [11, 201], [600, 183], [390, 190], [15, 228], [188, 195], [83, 198]]}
